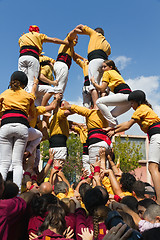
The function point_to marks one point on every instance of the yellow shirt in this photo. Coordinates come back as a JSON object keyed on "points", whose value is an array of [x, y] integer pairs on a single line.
{"points": [[18, 100], [145, 117], [113, 78], [66, 49], [107, 184], [94, 118], [59, 124], [83, 133], [83, 65], [43, 58], [63, 195], [38, 111], [32, 39], [97, 41], [47, 71]]}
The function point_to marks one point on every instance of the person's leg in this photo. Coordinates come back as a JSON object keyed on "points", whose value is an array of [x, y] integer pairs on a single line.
{"points": [[86, 164], [20, 141], [119, 100], [6, 142], [94, 70], [33, 71], [94, 150], [44, 93], [34, 138], [61, 74], [154, 160]]}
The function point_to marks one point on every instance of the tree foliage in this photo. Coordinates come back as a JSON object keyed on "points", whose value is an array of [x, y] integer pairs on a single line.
{"points": [[128, 153], [73, 164]]}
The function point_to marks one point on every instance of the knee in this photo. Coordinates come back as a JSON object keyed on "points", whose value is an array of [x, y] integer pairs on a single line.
{"points": [[153, 167]]}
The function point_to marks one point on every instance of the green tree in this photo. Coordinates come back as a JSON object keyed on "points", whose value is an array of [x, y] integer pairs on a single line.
{"points": [[44, 148], [73, 165], [129, 153]]}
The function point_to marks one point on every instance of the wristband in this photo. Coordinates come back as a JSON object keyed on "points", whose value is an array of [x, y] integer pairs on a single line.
{"points": [[34, 177], [97, 169], [50, 161], [82, 178], [117, 198], [31, 187], [90, 176], [27, 173], [56, 168], [92, 173]]}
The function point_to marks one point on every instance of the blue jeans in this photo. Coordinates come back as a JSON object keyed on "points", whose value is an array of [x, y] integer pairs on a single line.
{"points": [[13, 140]]}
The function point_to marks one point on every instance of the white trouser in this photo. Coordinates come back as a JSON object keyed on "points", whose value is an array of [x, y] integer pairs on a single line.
{"points": [[94, 70], [119, 100], [41, 90], [154, 149], [34, 139], [87, 99], [30, 66], [61, 74], [86, 163], [13, 140], [60, 153], [94, 150]]}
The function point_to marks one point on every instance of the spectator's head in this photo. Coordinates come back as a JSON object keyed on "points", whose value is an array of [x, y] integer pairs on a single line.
{"points": [[138, 189], [131, 202], [61, 187], [39, 204], [92, 199], [1, 185], [152, 213], [10, 190], [143, 205], [99, 30], [55, 220], [104, 193], [83, 188], [45, 188], [149, 191], [126, 182]]}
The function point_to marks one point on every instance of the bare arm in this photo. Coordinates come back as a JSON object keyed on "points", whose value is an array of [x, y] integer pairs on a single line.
{"points": [[46, 80], [114, 183], [34, 88], [56, 40], [54, 103], [101, 87]]}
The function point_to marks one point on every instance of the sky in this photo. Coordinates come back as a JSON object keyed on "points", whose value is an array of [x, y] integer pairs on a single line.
{"points": [[131, 27]]}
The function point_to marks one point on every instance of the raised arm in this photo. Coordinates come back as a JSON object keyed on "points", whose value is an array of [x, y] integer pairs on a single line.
{"points": [[57, 41]]}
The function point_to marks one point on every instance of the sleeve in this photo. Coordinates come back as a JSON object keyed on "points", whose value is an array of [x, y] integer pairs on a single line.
{"points": [[138, 114], [71, 220], [41, 110], [44, 70], [16, 206], [80, 221], [43, 37], [107, 184], [87, 30], [105, 77], [80, 110]]}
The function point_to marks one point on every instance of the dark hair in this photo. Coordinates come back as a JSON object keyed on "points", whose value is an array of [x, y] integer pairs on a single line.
{"points": [[18, 79], [99, 30], [127, 181], [44, 63], [111, 63], [39, 204], [104, 194], [139, 97], [54, 219], [151, 234], [83, 188], [139, 189], [99, 215], [10, 190], [92, 199], [146, 202], [60, 187], [131, 202]]}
